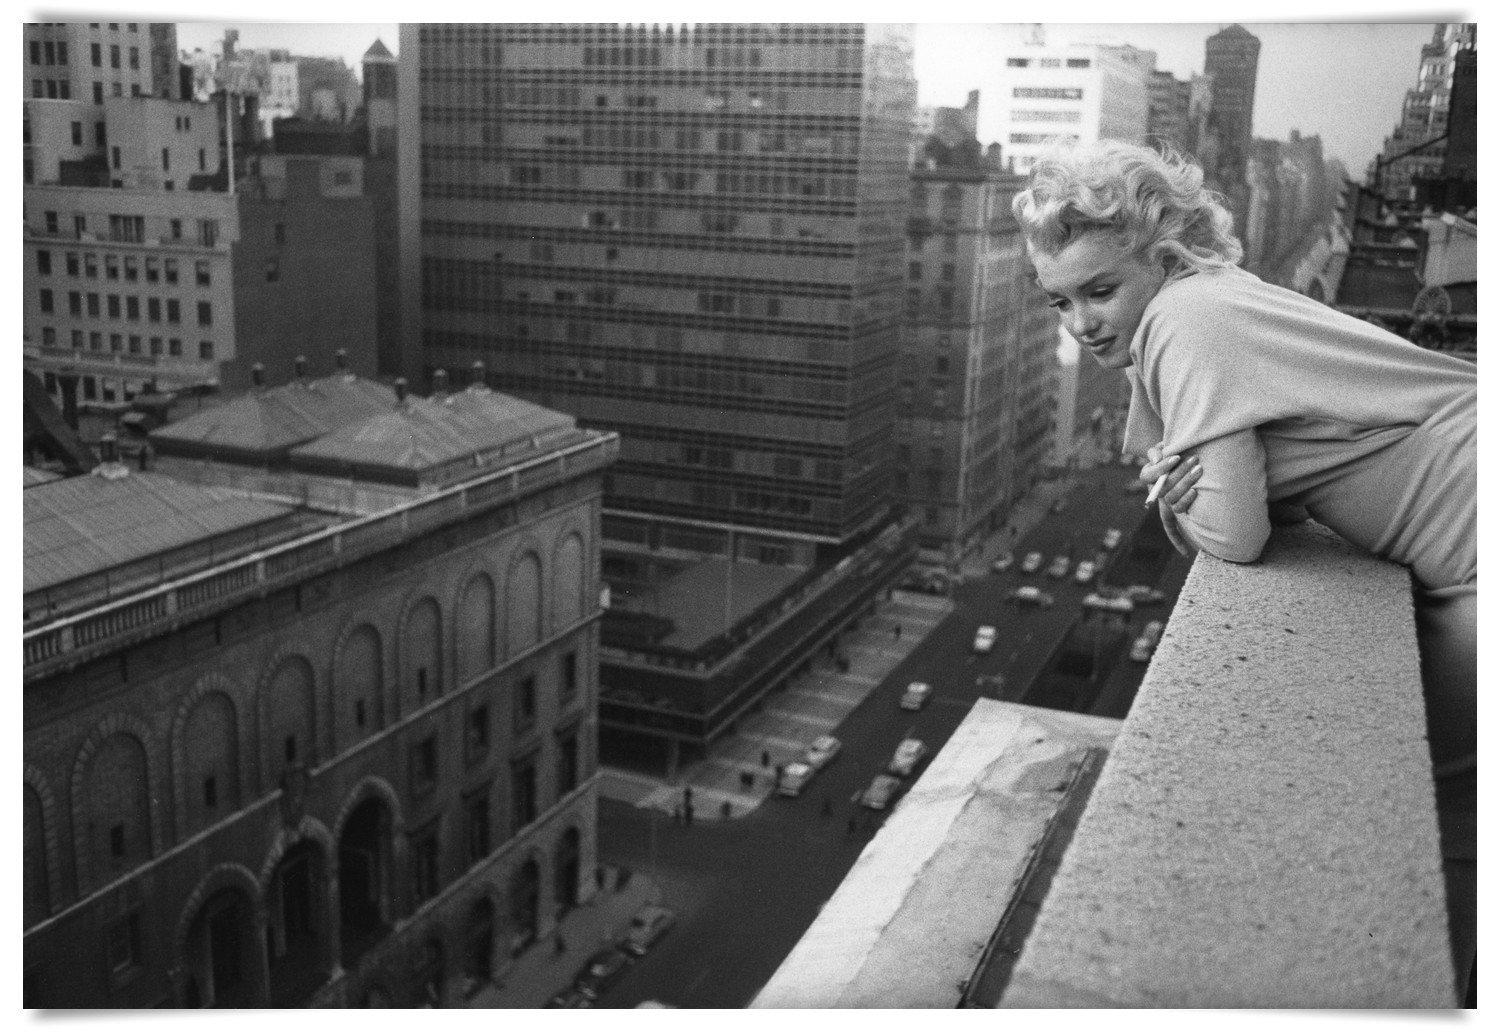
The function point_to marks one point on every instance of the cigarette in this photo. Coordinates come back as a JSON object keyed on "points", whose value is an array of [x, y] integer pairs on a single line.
{"points": [[1155, 493]]}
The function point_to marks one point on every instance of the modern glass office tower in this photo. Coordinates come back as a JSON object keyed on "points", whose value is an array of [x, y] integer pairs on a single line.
{"points": [[690, 234]]}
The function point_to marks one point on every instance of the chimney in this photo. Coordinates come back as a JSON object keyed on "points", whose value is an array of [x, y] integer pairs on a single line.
{"points": [[109, 466], [341, 360], [400, 386], [439, 383], [144, 457], [299, 368], [258, 376], [477, 377]]}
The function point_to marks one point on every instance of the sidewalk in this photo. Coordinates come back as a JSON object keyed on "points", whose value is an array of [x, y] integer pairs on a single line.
{"points": [[815, 703], [541, 972]]}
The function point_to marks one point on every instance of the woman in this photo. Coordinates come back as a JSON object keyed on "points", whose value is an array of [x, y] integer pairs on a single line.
{"points": [[1261, 405]]}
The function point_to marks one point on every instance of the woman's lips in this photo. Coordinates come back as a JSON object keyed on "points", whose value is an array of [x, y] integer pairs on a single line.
{"points": [[1100, 345]]}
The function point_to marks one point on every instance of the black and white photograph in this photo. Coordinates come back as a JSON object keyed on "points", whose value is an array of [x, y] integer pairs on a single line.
{"points": [[784, 515]]}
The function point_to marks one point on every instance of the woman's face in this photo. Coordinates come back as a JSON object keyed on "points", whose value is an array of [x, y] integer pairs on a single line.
{"points": [[1100, 292]]}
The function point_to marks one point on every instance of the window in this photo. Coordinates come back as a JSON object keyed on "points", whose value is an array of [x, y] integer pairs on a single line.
{"points": [[46, 298], [1017, 62], [116, 343], [166, 159], [123, 938], [477, 734], [75, 302], [477, 825], [174, 346], [154, 345], [205, 313], [114, 56], [134, 347], [132, 308], [51, 219], [915, 270], [153, 309], [567, 762], [424, 864], [77, 336], [273, 270], [153, 270], [169, 269], [948, 271], [206, 350], [96, 342], [72, 263], [99, 138], [49, 336], [1078, 62], [525, 701], [93, 305], [90, 266], [523, 792], [44, 262], [96, 55], [132, 269], [98, 93], [80, 225], [135, 58], [176, 227], [424, 765], [130, 229], [174, 310], [201, 266], [77, 134], [208, 232], [569, 673], [112, 266]]}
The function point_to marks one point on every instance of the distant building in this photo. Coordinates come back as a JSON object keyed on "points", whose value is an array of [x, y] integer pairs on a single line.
{"points": [[92, 61], [971, 349], [309, 705], [1169, 120], [1073, 93], [1232, 59], [1415, 149]]}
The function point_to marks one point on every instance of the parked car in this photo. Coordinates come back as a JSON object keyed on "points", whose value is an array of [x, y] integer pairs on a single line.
{"points": [[1030, 595], [1144, 646], [649, 924], [1003, 563], [1085, 571], [881, 792], [794, 778], [1142, 595], [1109, 604], [984, 639], [908, 754], [603, 969], [1059, 567], [1032, 562], [822, 752], [991, 686], [1112, 538], [571, 997], [916, 695]]}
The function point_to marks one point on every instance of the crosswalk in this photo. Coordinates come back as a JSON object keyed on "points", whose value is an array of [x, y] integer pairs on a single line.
{"points": [[814, 704]]}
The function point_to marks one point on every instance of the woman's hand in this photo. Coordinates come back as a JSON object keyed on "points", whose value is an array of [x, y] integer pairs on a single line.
{"points": [[1177, 493]]}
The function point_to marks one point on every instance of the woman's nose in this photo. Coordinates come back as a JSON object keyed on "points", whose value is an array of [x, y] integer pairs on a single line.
{"points": [[1081, 323]]}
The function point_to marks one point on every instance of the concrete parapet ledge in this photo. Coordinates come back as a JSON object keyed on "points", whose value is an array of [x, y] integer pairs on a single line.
{"points": [[1264, 833]]}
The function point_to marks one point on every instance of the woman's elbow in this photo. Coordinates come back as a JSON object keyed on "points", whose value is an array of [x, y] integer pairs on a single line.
{"points": [[1241, 545]]}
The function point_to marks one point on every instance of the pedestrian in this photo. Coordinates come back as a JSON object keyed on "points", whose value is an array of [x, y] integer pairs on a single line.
{"points": [[1255, 404]]}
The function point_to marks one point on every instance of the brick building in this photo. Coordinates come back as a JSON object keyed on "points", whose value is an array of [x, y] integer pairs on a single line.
{"points": [[309, 705]]}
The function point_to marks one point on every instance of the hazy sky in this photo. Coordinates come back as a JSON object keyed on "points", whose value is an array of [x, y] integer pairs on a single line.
{"points": [[1341, 74]]}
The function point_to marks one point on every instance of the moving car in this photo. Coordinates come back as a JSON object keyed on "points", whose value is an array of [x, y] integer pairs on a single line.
{"points": [[984, 639], [1085, 571], [794, 778], [649, 924], [822, 752], [880, 792], [1112, 538], [916, 695], [1030, 595], [1032, 562], [1059, 567], [1003, 563], [603, 969], [1109, 604], [1142, 595], [908, 754]]}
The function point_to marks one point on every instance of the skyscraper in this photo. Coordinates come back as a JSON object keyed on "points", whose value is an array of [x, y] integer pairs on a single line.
{"points": [[1231, 57]]}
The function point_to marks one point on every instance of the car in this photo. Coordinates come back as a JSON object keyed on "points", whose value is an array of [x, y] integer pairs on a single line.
{"points": [[1030, 595], [916, 695], [1152, 631], [1059, 567], [649, 924], [1112, 538], [1142, 595], [908, 754], [984, 639], [1109, 603], [1032, 562], [1085, 571], [603, 969], [571, 997], [881, 792], [991, 686], [822, 752], [1144, 645], [1003, 563], [794, 778]]}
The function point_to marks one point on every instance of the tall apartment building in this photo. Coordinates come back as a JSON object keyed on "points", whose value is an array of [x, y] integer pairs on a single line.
{"points": [[1070, 93], [1168, 123], [309, 705], [92, 61], [1231, 58], [692, 235], [1424, 116], [963, 396]]}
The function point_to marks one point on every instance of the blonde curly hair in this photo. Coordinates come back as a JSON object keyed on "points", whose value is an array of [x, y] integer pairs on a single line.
{"points": [[1153, 204]]}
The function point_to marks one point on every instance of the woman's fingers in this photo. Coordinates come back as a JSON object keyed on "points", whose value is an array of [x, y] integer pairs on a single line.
{"points": [[1179, 496], [1154, 469]]}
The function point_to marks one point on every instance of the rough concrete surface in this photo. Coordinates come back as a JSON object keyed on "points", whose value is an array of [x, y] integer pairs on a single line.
{"points": [[1264, 833], [909, 923]]}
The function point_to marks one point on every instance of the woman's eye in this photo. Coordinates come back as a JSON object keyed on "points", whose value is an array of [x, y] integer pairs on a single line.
{"points": [[1059, 303], [1102, 293]]}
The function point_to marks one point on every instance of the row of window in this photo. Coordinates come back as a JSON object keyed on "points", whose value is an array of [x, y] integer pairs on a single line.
{"points": [[123, 343], [130, 266], [131, 308], [1048, 62], [949, 271], [131, 229]]}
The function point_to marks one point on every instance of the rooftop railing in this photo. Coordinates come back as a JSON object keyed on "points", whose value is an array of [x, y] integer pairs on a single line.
{"points": [[80, 636]]}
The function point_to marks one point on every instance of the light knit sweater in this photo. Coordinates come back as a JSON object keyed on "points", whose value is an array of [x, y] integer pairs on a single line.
{"points": [[1286, 400]]}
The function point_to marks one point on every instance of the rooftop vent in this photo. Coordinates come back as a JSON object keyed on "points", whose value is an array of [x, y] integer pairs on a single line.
{"points": [[439, 382], [258, 375], [400, 386], [299, 368], [477, 376]]}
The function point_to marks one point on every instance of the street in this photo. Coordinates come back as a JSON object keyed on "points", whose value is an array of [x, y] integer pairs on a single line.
{"points": [[746, 889]]}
